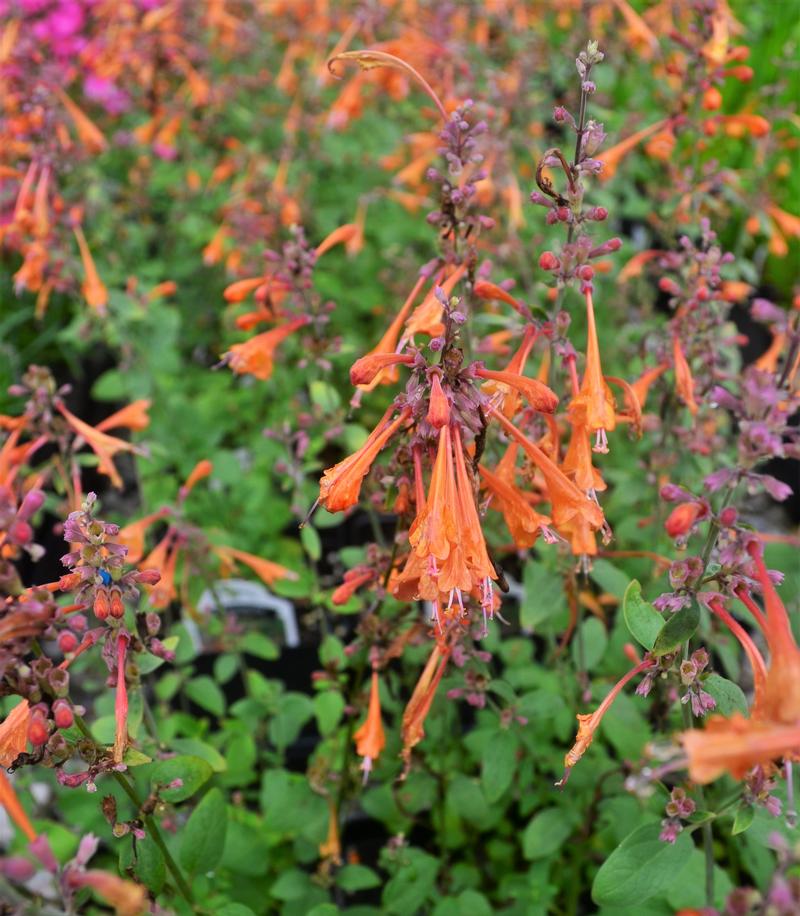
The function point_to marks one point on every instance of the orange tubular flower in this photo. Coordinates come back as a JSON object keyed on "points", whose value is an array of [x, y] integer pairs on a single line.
{"points": [[573, 513], [613, 156], [340, 485], [537, 394], [10, 801], [103, 445], [587, 724], [132, 536], [594, 403], [684, 382], [88, 132], [365, 370], [577, 464], [483, 289], [14, 733], [387, 345], [427, 317], [735, 745], [523, 521], [255, 356], [266, 570], [415, 713], [199, 472], [134, 416], [93, 289], [370, 739]]}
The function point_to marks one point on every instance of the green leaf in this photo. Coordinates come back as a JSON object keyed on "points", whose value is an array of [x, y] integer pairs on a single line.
{"points": [[546, 832], [145, 861], [544, 595], [410, 887], [203, 835], [134, 758], [609, 578], [354, 878], [729, 697], [292, 885], [745, 815], [198, 748], [225, 666], [590, 647], [260, 646], [205, 692], [192, 771], [677, 630], [641, 618], [324, 395], [294, 711], [640, 867], [311, 542], [498, 763], [233, 909], [328, 708]]}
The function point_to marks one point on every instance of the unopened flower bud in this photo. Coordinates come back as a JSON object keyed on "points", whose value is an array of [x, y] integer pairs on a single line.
{"points": [[116, 605], [62, 714], [67, 641], [101, 605], [682, 518], [712, 99], [31, 504], [728, 516], [548, 261], [38, 731]]}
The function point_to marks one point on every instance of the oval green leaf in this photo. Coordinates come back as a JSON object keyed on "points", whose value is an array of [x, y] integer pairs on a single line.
{"points": [[641, 618]]}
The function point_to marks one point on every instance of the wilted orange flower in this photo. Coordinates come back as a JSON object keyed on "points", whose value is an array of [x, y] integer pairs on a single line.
{"points": [[418, 707], [369, 738], [255, 356], [340, 485]]}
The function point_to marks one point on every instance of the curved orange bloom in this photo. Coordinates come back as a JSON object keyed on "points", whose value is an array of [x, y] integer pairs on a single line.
{"points": [[134, 416], [737, 744], [418, 707], [536, 393], [641, 386], [340, 485], [588, 723], [614, 155], [367, 368], [577, 463], [199, 472], [491, 292], [132, 535], [427, 317], [387, 345], [94, 290], [10, 801], [88, 133], [14, 733], [103, 445], [255, 356], [522, 520], [594, 403], [438, 414], [573, 513], [266, 570], [369, 738], [684, 382]]}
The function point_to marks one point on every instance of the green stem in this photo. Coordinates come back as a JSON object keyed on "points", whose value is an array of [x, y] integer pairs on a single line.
{"points": [[126, 786]]}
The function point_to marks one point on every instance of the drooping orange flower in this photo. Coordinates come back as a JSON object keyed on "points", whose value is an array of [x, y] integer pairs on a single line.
{"points": [[641, 386], [255, 356], [684, 382], [369, 738], [121, 701], [14, 733], [126, 897], [574, 514], [199, 472], [418, 707], [524, 523], [427, 317], [367, 368], [88, 132], [483, 289], [577, 463], [614, 155], [593, 406], [10, 801], [340, 485], [94, 290], [134, 416], [132, 535], [268, 571], [537, 394], [103, 445], [737, 744], [588, 723]]}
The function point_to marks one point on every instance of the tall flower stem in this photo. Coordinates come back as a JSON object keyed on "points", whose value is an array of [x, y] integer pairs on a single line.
{"points": [[150, 823]]}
